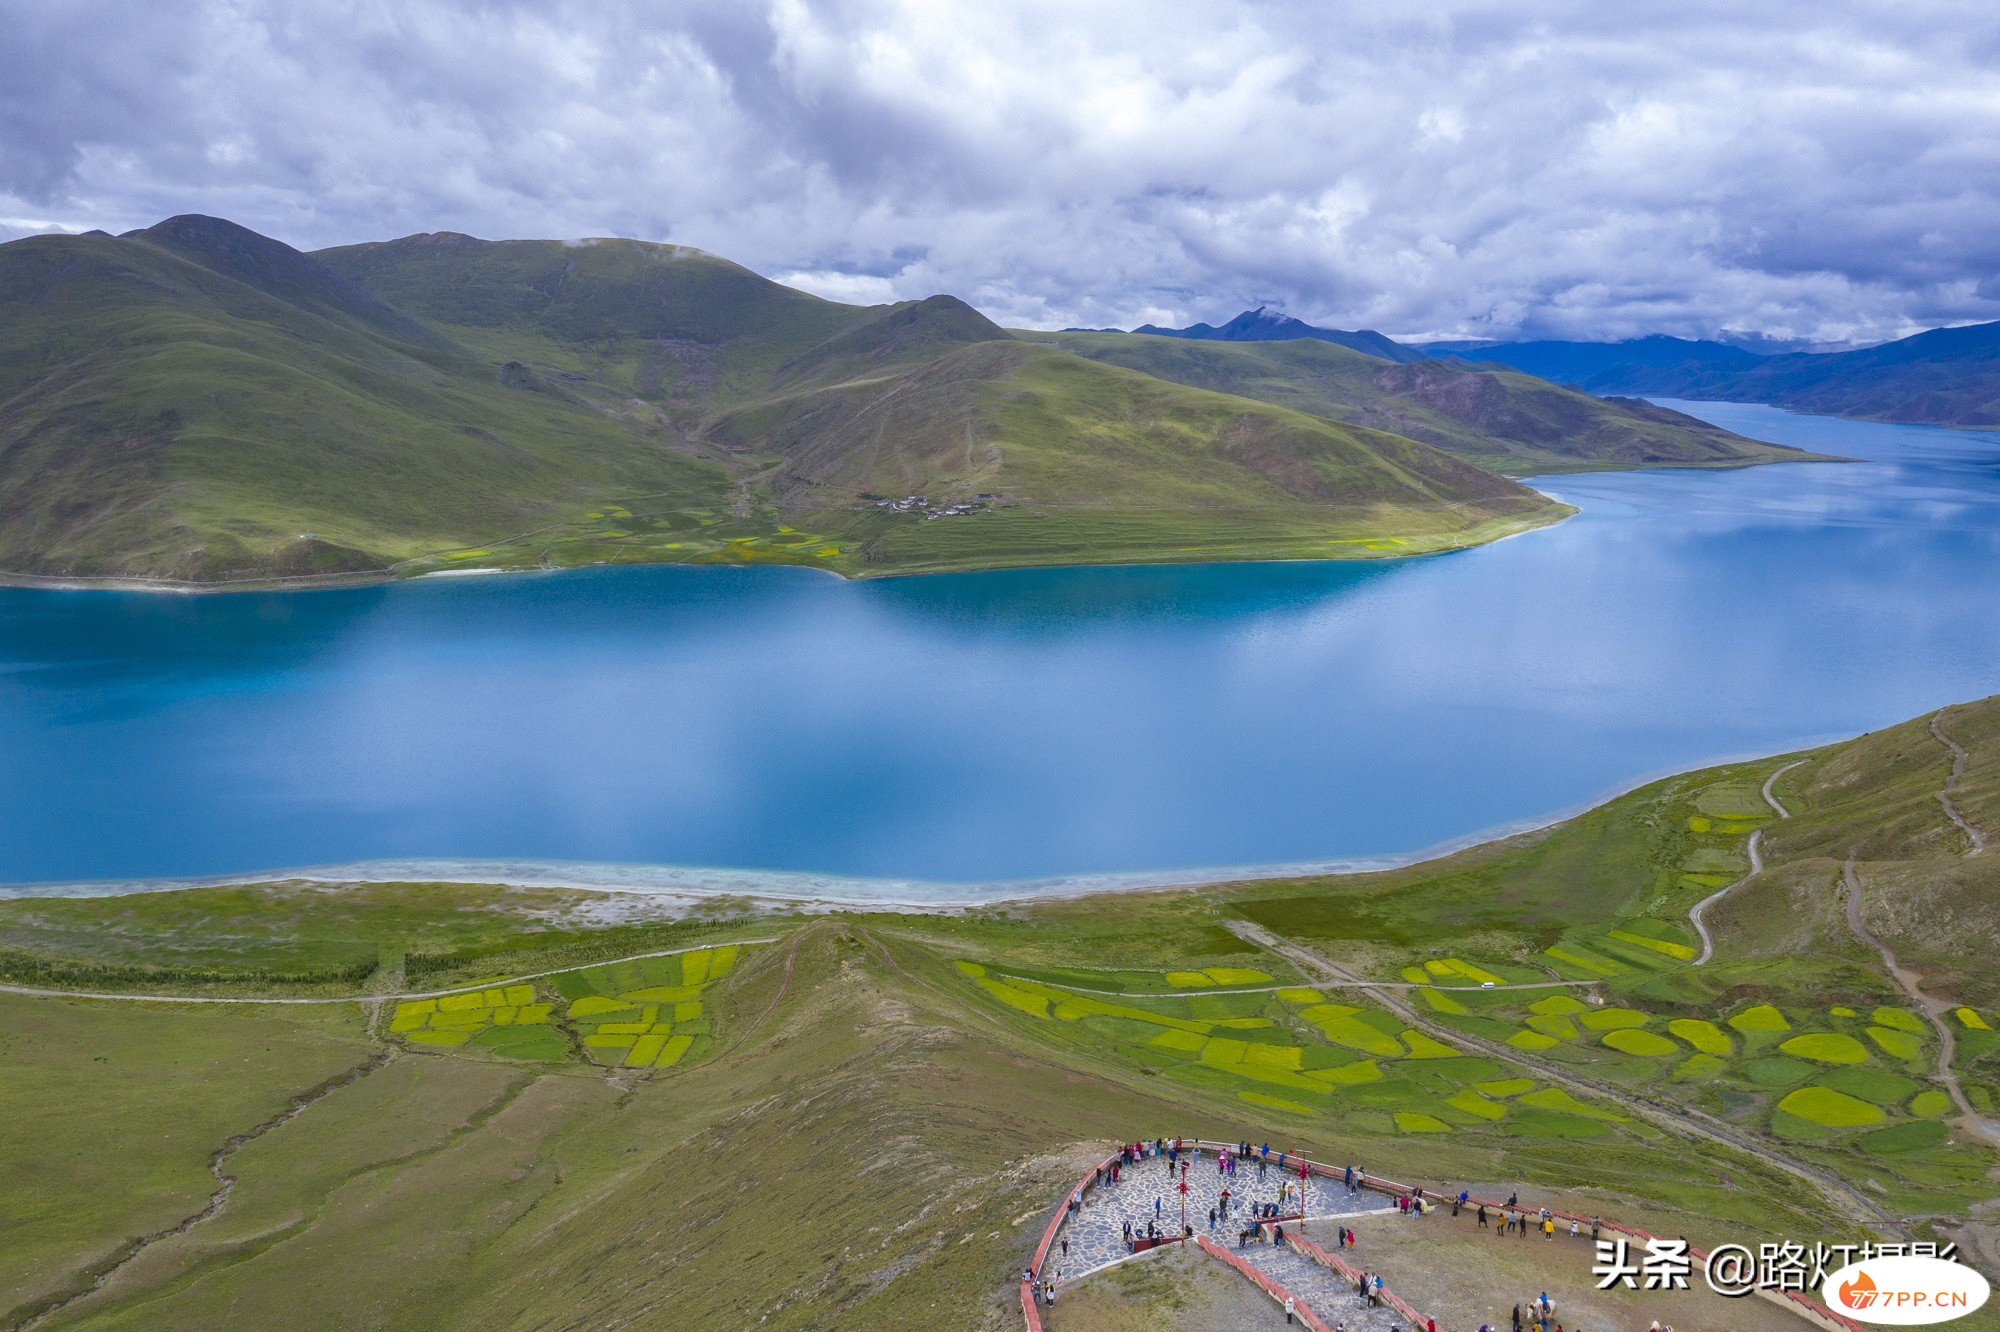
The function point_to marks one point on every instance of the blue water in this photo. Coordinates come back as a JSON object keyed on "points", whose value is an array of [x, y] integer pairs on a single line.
{"points": [[1003, 726]]}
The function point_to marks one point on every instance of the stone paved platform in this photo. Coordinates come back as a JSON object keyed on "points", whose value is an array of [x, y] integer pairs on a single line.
{"points": [[1322, 1290], [1095, 1232]]}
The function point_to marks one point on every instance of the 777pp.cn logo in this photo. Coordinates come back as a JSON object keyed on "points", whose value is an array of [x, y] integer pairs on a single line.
{"points": [[1905, 1292]]}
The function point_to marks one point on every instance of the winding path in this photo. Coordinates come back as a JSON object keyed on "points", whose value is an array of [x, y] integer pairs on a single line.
{"points": [[40, 993], [1700, 908], [1854, 1204], [1958, 758], [1933, 1009]]}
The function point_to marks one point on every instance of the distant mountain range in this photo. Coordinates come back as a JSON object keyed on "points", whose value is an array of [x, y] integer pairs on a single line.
{"points": [[1948, 376], [1264, 324], [1656, 364]]}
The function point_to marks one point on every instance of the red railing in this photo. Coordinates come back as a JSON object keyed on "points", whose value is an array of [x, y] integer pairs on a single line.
{"points": [[1029, 1311], [1299, 1244], [1264, 1283]]}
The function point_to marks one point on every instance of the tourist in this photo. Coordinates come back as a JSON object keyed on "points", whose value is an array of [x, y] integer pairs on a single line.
{"points": [[1574, 1224], [1548, 1228], [1482, 1217], [1065, 1246], [1211, 1218], [1156, 1207], [1290, 1309]]}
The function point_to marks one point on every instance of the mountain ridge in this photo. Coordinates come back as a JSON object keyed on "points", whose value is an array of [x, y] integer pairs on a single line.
{"points": [[1943, 376], [1265, 324], [1493, 416]]}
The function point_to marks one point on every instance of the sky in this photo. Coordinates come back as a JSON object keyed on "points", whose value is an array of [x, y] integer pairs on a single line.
{"points": [[1816, 170]]}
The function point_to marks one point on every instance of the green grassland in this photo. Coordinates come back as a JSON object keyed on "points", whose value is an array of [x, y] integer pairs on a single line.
{"points": [[304, 939], [194, 402], [1513, 423], [863, 1122]]}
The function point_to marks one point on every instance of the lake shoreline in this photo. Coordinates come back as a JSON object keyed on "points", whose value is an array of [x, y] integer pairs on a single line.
{"points": [[1558, 512], [387, 575], [793, 888]]}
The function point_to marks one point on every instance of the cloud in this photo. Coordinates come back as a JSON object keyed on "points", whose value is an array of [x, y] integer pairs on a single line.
{"points": [[1816, 170]]}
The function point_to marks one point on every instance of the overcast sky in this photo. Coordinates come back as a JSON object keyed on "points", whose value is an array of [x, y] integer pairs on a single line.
{"points": [[1590, 169]]}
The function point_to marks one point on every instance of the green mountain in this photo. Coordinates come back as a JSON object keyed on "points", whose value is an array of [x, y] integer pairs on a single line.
{"points": [[832, 415], [1499, 418], [198, 402], [195, 401]]}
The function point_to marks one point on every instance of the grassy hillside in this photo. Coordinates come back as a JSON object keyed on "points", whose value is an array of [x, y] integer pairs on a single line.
{"points": [[862, 1122], [191, 400], [828, 412], [1498, 418], [197, 402]]}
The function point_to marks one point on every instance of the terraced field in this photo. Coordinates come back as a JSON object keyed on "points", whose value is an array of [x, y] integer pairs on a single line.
{"points": [[1801, 1074], [648, 1013], [510, 1020], [1290, 1049]]}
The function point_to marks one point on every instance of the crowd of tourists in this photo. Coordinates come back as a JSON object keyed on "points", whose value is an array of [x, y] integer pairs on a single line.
{"points": [[1264, 1219]]}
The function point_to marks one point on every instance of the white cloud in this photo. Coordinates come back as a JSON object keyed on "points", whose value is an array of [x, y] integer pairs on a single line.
{"points": [[1809, 169]]}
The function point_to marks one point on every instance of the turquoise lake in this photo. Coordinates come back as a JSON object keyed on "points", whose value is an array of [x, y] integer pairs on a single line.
{"points": [[988, 728]]}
